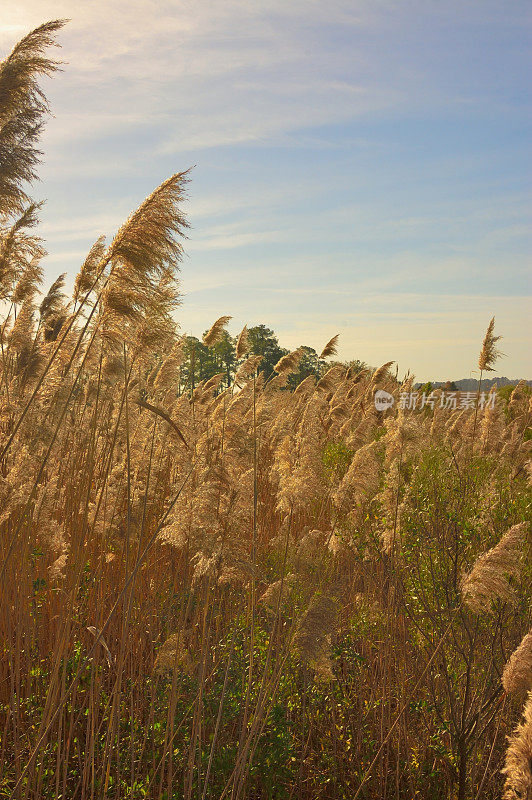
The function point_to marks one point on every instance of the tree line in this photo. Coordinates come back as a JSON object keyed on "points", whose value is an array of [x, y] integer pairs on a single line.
{"points": [[201, 362]]}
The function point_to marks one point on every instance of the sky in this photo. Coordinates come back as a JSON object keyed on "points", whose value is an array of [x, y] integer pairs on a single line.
{"points": [[360, 167]]}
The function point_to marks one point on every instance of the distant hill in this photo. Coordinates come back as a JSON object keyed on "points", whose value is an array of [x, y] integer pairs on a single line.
{"points": [[470, 384]]}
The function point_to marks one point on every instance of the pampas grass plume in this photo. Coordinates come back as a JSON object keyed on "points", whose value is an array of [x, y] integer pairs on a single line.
{"points": [[215, 332]]}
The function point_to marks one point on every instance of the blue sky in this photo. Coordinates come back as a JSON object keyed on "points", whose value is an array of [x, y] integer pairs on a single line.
{"points": [[360, 168]]}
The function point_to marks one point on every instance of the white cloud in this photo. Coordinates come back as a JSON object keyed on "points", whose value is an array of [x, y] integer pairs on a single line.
{"points": [[148, 84], [228, 72], [231, 241]]}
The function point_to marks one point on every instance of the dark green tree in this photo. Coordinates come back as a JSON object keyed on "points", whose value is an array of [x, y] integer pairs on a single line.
{"points": [[224, 356], [309, 365], [191, 368], [201, 362], [355, 366], [264, 343]]}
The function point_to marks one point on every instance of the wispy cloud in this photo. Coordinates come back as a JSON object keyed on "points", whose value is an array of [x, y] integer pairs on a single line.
{"points": [[360, 163]]}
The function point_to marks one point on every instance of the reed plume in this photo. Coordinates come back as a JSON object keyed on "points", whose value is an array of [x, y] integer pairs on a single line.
{"points": [[172, 655], [518, 761], [87, 276], [518, 398], [280, 591], [215, 332], [214, 382], [53, 300], [19, 249], [489, 353], [517, 674], [28, 284], [362, 479], [148, 242], [289, 363], [306, 386], [247, 368], [242, 343], [330, 348], [22, 333], [22, 109], [489, 579], [166, 376], [381, 372], [142, 252], [329, 381]]}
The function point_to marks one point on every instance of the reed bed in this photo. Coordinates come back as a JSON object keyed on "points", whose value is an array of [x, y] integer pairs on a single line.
{"points": [[245, 591]]}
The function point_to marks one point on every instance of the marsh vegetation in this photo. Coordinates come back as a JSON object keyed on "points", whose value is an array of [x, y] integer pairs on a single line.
{"points": [[244, 586]]}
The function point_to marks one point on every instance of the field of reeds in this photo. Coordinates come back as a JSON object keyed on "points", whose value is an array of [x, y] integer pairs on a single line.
{"points": [[253, 590]]}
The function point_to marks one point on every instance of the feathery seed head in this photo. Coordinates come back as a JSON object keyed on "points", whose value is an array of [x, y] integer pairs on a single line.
{"points": [[489, 579], [518, 761], [290, 362], [381, 372], [330, 348], [517, 674], [22, 108], [242, 344], [215, 332], [489, 353]]}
